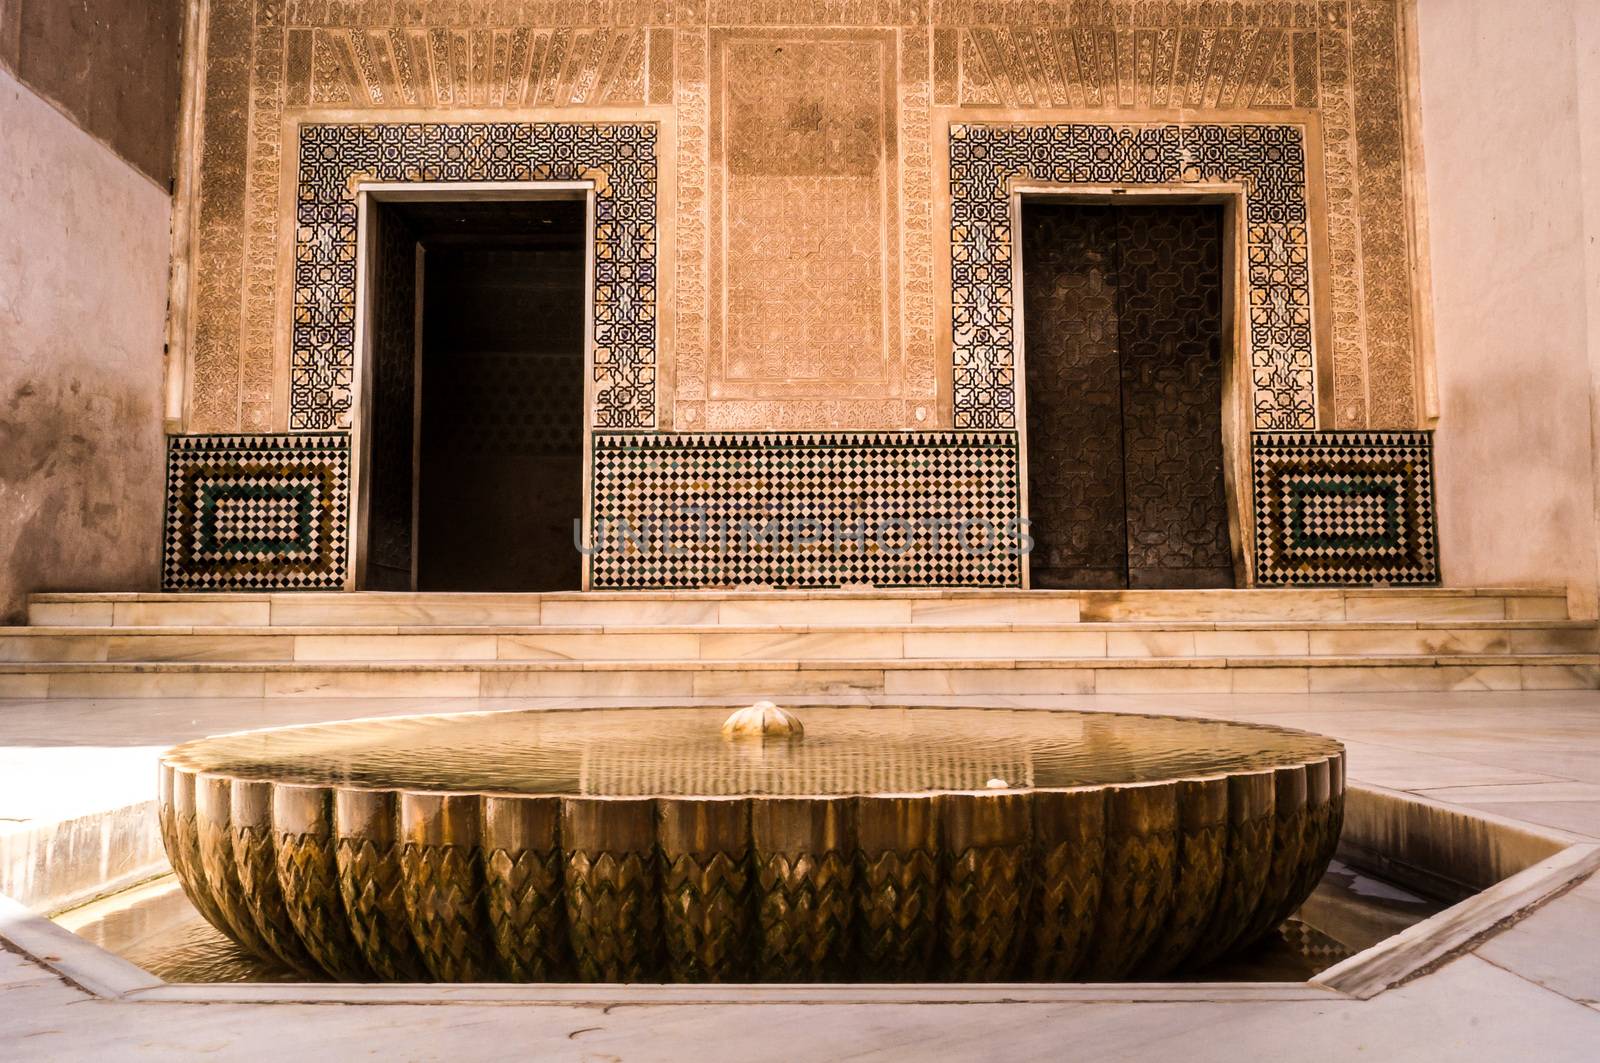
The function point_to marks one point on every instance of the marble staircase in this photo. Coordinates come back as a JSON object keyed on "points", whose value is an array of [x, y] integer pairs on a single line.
{"points": [[910, 643]]}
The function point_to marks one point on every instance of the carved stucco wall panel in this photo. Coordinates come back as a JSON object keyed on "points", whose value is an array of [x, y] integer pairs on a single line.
{"points": [[1131, 67], [919, 367], [260, 325], [694, 117], [1349, 356], [214, 339], [1385, 265], [804, 196], [465, 66], [271, 62]]}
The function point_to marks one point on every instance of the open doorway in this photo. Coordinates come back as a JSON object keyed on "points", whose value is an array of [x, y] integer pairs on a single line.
{"points": [[474, 437], [1124, 325]]}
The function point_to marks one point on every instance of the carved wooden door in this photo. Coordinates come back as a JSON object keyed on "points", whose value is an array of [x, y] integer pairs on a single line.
{"points": [[1123, 333], [1073, 377]]}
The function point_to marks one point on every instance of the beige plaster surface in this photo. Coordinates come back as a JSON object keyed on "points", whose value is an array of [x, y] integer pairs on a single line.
{"points": [[806, 186], [1529, 992], [1511, 134], [84, 248], [1587, 24], [83, 275]]}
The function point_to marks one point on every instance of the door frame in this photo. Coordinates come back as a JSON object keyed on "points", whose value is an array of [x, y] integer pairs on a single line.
{"points": [[1237, 408], [370, 192]]}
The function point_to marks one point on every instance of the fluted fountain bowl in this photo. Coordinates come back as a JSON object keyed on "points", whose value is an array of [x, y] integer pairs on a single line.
{"points": [[868, 844]]}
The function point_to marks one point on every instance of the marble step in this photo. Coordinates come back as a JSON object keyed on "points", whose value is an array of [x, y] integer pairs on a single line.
{"points": [[1169, 639], [834, 607], [773, 678]]}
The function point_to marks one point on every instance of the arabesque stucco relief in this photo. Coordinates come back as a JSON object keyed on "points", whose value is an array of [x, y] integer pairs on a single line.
{"points": [[764, 108]]}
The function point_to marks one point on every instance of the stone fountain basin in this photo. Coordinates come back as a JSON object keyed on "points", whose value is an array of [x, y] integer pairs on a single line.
{"points": [[640, 845]]}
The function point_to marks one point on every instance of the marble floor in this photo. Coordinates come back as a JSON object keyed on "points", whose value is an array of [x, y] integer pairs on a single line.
{"points": [[1530, 992]]}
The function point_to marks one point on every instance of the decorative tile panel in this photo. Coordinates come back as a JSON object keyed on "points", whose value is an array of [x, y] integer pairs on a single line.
{"points": [[1344, 507], [619, 158], [256, 512], [825, 510], [1270, 162]]}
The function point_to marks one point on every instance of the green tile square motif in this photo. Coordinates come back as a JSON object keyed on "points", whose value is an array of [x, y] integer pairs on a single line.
{"points": [[257, 512], [1352, 515], [1346, 508], [238, 518]]}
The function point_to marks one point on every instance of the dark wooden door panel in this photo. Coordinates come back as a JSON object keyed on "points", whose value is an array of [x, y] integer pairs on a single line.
{"points": [[1074, 397], [1123, 332], [1170, 338]]}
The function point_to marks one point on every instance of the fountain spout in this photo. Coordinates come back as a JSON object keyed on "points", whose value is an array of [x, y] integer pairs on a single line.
{"points": [[763, 720]]}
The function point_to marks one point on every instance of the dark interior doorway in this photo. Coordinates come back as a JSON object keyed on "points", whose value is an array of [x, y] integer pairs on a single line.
{"points": [[1123, 326], [475, 443]]}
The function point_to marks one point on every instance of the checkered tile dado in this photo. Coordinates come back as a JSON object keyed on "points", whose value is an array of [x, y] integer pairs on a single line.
{"points": [[826, 510], [1344, 507], [620, 158], [1268, 161], [256, 512]]}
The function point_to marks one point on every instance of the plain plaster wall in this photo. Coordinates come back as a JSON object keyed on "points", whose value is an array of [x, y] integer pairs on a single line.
{"points": [[83, 277], [1506, 123], [1587, 21]]}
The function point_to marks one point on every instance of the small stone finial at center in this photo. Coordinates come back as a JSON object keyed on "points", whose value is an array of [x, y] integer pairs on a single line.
{"points": [[763, 720]]}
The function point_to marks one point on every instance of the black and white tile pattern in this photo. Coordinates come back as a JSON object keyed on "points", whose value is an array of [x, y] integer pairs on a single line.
{"points": [[789, 510], [1344, 508], [256, 513]]}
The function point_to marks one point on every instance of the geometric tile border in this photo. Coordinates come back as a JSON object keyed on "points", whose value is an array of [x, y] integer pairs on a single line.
{"points": [[891, 509], [1268, 160], [256, 513], [619, 157], [1344, 508]]}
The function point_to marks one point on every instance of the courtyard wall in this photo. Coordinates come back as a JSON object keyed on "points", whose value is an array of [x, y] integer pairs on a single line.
{"points": [[87, 106], [1511, 136]]}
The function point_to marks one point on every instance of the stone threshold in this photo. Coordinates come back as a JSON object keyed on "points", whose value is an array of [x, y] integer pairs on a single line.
{"points": [[897, 678], [814, 628], [808, 608], [741, 593], [740, 664]]}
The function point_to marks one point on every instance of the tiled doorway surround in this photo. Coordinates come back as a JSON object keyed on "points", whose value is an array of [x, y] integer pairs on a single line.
{"points": [[1343, 518]]}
